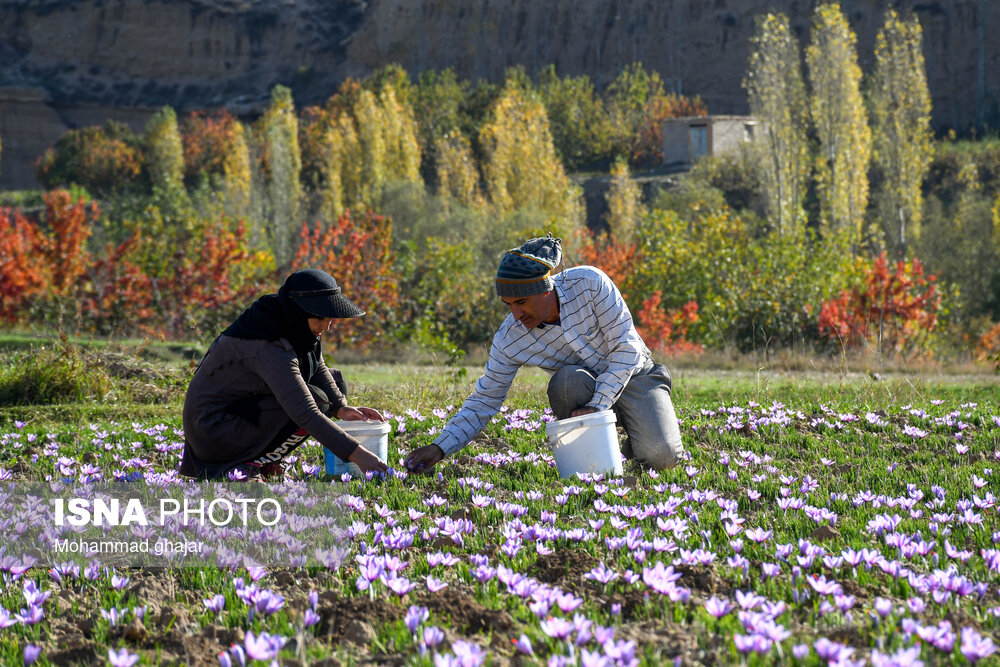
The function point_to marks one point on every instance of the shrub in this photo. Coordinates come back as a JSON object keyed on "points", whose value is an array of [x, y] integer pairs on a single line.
{"points": [[358, 252], [894, 310], [665, 332], [101, 159], [59, 373]]}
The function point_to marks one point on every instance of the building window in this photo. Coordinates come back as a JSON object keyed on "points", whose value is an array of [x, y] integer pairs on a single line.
{"points": [[748, 131], [699, 141]]}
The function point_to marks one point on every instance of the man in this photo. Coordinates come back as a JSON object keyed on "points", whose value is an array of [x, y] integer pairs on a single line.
{"points": [[576, 326]]}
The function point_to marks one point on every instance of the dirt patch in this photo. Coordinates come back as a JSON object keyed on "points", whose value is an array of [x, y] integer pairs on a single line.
{"points": [[465, 613], [702, 579], [337, 612], [628, 604], [563, 569]]}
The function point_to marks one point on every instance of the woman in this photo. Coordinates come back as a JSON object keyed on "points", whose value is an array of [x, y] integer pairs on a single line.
{"points": [[263, 387]]}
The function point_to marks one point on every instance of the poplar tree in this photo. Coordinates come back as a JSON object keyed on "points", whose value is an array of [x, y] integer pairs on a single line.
{"points": [[165, 151], [520, 165], [901, 122], [284, 162], [624, 202], [456, 172], [236, 172], [839, 117], [778, 99]]}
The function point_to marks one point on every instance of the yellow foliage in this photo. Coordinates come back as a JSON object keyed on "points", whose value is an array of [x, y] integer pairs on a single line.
{"points": [[839, 116], [236, 172], [624, 203], [520, 168], [901, 119], [165, 151], [457, 174], [777, 97]]}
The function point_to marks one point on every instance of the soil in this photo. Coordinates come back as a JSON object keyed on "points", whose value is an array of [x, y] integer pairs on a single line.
{"points": [[564, 569]]}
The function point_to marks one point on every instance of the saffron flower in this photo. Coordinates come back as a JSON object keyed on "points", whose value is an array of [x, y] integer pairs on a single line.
{"points": [[718, 607], [122, 658]]}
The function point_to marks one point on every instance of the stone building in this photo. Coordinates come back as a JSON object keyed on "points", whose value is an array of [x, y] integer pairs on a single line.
{"points": [[687, 139]]}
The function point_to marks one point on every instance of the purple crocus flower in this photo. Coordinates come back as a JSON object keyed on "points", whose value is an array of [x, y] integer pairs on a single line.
{"points": [[122, 658], [718, 607], [976, 647], [557, 628], [310, 619], [523, 645], [434, 585], [904, 657], [31, 653], [263, 646], [433, 635], [215, 603], [883, 607], [468, 654], [415, 615]]}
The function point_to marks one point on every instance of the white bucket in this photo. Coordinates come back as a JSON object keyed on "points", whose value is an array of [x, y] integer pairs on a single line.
{"points": [[586, 444], [373, 436]]}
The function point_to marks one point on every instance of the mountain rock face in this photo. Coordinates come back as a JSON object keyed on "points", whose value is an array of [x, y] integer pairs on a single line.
{"points": [[72, 63]]}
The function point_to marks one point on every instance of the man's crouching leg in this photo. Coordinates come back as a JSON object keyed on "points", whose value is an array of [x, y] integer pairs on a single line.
{"points": [[647, 413], [570, 388]]}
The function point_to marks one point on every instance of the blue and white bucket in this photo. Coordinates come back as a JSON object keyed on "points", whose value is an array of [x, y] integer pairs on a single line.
{"points": [[373, 436], [586, 444]]}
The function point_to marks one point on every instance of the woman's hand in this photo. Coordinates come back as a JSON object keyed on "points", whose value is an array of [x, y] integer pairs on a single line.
{"points": [[349, 413], [422, 459], [367, 461]]}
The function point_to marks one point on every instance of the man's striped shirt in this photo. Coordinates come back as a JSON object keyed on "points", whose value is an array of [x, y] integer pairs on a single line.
{"points": [[595, 330]]}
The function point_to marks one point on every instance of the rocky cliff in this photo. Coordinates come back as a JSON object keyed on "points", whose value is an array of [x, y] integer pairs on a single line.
{"points": [[70, 63]]}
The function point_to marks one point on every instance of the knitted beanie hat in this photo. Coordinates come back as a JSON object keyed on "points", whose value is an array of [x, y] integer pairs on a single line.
{"points": [[527, 270]]}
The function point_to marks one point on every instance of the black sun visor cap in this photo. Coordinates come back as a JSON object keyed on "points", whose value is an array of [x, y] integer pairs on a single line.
{"points": [[318, 294]]}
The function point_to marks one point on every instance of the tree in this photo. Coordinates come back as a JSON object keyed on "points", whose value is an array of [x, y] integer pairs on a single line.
{"points": [[520, 167], [839, 117], [901, 119], [778, 98], [581, 131], [101, 159], [284, 164], [624, 202], [457, 175], [165, 151]]}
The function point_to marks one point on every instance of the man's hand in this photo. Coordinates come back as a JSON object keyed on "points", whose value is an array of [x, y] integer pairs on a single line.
{"points": [[422, 459], [367, 461], [348, 413], [583, 411]]}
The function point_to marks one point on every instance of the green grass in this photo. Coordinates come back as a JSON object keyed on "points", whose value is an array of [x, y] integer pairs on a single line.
{"points": [[808, 460]]}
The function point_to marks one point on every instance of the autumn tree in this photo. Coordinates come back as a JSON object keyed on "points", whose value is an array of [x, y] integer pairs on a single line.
{"points": [[284, 163], [581, 131], [520, 166], [101, 159], [624, 202], [901, 124], [165, 151], [839, 117], [216, 148], [777, 97], [457, 175]]}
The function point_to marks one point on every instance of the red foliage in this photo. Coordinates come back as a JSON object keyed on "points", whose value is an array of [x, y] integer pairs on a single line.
{"points": [[116, 296], [207, 138], [203, 278], [665, 332], [66, 250], [893, 310], [22, 275], [988, 348], [615, 259], [358, 253]]}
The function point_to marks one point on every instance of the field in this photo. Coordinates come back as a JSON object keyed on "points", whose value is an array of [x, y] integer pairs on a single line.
{"points": [[818, 519]]}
